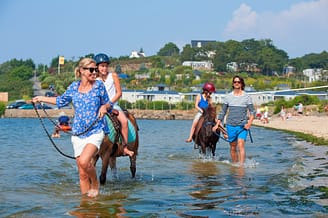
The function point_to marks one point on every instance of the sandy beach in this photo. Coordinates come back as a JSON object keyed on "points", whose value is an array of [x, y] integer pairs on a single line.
{"points": [[314, 125]]}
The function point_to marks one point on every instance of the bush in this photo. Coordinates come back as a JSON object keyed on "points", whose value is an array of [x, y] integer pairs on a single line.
{"points": [[185, 105], [322, 105], [279, 103], [2, 108], [306, 100], [125, 104]]}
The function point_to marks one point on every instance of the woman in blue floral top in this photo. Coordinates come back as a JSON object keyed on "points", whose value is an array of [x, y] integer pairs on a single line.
{"points": [[90, 102]]}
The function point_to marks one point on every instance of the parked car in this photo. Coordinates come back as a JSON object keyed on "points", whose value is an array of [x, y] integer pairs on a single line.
{"points": [[38, 106], [16, 104], [50, 94]]}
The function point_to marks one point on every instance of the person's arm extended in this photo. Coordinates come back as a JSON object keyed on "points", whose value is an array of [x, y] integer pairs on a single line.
{"points": [[49, 100]]}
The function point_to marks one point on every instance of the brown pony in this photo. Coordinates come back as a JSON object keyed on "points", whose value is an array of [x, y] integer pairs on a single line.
{"points": [[110, 150], [203, 136]]}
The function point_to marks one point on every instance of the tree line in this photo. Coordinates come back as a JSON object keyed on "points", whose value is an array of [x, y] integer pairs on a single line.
{"points": [[166, 65]]}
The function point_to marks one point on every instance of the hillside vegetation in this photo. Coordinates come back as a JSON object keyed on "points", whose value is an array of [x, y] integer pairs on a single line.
{"points": [[166, 68]]}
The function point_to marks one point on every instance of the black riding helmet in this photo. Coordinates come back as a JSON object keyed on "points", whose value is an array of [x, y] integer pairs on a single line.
{"points": [[101, 58]]}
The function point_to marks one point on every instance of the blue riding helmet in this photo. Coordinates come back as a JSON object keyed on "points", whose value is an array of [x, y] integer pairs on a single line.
{"points": [[101, 58]]}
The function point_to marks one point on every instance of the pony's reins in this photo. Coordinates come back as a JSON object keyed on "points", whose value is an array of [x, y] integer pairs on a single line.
{"points": [[220, 127], [68, 132], [48, 134]]}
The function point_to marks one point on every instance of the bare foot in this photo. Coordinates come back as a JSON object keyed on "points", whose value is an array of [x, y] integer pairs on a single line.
{"points": [[127, 151], [94, 189], [92, 193]]}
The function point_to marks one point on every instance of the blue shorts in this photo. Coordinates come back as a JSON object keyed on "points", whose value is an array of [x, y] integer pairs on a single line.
{"points": [[236, 132]]}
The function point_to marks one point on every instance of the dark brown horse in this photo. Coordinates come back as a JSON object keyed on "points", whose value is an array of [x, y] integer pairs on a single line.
{"points": [[111, 148], [203, 136]]}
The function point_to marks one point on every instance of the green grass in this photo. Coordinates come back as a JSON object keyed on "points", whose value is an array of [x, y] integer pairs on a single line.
{"points": [[307, 137]]}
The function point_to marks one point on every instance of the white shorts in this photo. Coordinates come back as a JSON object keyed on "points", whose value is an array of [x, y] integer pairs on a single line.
{"points": [[197, 116], [80, 143]]}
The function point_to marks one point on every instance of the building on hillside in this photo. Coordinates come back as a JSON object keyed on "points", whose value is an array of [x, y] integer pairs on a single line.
{"points": [[232, 67], [143, 76], [200, 43], [135, 54], [210, 54], [312, 74], [288, 70], [199, 65], [248, 67]]}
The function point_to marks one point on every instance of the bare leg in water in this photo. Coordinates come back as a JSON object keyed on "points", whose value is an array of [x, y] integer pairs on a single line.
{"points": [[88, 176], [124, 130]]}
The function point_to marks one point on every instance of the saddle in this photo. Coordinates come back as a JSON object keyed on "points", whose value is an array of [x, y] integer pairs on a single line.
{"points": [[199, 126], [114, 127]]}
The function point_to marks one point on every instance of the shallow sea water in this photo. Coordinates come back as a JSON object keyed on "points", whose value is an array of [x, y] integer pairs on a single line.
{"points": [[283, 176]]}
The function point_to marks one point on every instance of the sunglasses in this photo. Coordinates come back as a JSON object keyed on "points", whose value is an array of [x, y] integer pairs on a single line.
{"points": [[91, 69], [236, 82]]}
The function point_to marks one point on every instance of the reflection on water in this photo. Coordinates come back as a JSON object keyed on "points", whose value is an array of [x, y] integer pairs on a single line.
{"points": [[282, 176], [103, 206], [205, 173]]}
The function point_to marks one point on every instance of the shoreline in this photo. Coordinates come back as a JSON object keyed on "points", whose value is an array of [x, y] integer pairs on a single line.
{"points": [[306, 126], [313, 125], [139, 114]]}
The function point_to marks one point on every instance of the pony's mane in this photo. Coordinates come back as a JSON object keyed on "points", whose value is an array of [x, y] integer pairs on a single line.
{"points": [[211, 110]]}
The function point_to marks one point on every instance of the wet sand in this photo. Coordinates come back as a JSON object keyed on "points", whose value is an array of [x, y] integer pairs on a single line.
{"points": [[314, 125]]}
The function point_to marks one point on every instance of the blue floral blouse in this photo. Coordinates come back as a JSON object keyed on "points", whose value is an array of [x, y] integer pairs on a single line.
{"points": [[86, 107]]}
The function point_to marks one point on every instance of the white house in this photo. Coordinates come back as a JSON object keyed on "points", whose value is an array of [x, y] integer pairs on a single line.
{"points": [[232, 66], [312, 74], [168, 96], [259, 98], [132, 95], [135, 54], [205, 65]]}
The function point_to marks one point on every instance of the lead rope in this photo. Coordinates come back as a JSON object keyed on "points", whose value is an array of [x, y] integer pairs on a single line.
{"points": [[50, 138], [249, 133], [68, 132]]}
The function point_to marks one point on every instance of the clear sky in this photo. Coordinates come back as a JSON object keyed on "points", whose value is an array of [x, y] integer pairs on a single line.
{"points": [[44, 29]]}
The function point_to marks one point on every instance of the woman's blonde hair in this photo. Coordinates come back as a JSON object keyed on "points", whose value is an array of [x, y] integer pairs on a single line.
{"points": [[84, 62]]}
